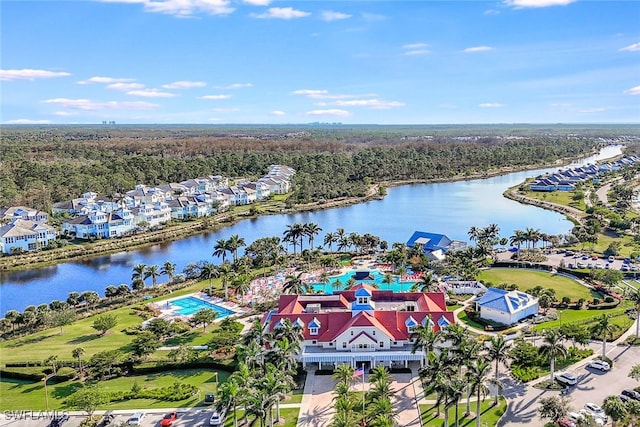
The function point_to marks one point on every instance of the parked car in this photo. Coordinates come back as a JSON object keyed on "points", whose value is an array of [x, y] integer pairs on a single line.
{"points": [[107, 419], [218, 417], [599, 364], [611, 258], [135, 419], [597, 419], [566, 422], [168, 419], [581, 265], [58, 421], [574, 416], [624, 398], [566, 379], [631, 393], [594, 410], [209, 397]]}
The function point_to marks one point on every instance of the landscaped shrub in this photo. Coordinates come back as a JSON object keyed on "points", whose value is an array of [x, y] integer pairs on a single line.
{"points": [[65, 374], [525, 374]]}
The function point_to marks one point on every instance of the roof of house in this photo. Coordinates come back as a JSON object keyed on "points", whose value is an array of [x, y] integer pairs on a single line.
{"points": [[430, 241], [505, 301]]}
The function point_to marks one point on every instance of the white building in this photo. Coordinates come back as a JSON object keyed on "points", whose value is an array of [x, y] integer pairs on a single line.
{"points": [[506, 307]]}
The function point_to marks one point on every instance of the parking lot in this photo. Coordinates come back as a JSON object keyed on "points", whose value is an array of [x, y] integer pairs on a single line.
{"points": [[584, 260]]}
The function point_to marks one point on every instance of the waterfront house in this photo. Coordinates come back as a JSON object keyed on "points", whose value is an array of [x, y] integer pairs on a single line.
{"points": [[434, 245], [506, 307], [361, 325], [189, 207], [22, 212], [153, 214], [24, 235]]}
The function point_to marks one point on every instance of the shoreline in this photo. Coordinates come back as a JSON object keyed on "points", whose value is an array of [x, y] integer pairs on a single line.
{"points": [[90, 250]]}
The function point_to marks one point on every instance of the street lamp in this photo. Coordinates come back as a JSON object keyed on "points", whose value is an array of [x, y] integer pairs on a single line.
{"points": [[46, 395]]}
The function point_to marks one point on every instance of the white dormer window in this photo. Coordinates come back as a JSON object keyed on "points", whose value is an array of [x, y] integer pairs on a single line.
{"points": [[363, 300], [313, 331]]}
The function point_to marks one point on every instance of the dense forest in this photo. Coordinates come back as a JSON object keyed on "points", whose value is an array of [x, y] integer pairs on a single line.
{"points": [[40, 165]]}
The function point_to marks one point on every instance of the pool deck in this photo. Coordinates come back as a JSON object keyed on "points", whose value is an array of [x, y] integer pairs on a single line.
{"points": [[169, 311]]}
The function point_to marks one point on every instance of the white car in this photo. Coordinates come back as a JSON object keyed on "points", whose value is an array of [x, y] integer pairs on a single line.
{"points": [[599, 364], [136, 419], [566, 379], [598, 420], [218, 417], [594, 410]]}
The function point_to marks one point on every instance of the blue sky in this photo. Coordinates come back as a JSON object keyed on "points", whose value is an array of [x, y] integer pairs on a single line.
{"points": [[378, 62]]}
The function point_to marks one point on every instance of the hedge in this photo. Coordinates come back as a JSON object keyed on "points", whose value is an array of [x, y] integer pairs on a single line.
{"points": [[154, 367]]}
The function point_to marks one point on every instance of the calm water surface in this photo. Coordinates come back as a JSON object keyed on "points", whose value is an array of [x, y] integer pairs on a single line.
{"points": [[447, 208]]}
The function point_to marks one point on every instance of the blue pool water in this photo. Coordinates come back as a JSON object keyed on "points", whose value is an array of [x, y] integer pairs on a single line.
{"points": [[190, 305], [377, 276]]}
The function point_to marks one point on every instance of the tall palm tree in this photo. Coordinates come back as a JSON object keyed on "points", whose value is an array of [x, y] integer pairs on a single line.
{"points": [[498, 352], [552, 347], [292, 234], [476, 375], [234, 243], [77, 353], [634, 296], [221, 248], [168, 269], [330, 239], [258, 404], [275, 384], [294, 284], [208, 271], [427, 283], [225, 272], [229, 395], [152, 271], [138, 273], [424, 338], [311, 230], [603, 327]]}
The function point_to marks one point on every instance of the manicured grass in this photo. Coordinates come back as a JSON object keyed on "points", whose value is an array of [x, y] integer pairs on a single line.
{"points": [[580, 316], [489, 414], [25, 395], [564, 198], [462, 316], [528, 279], [43, 344], [288, 415]]}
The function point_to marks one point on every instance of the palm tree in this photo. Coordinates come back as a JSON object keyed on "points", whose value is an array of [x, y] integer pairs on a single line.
{"points": [[427, 283], [603, 327], [498, 352], [168, 269], [330, 239], [154, 272], [311, 230], [634, 296], [229, 395], [476, 375], [226, 273], [295, 285], [138, 273], [77, 353], [207, 272], [615, 408], [258, 404], [13, 316], [424, 338], [552, 347], [221, 248], [234, 243], [292, 234], [343, 374]]}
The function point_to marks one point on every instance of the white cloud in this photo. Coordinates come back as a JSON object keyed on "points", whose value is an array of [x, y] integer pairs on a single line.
{"points": [[225, 110], [104, 80], [490, 105], [560, 105], [215, 97], [536, 3], [124, 87], [65, 113], [29, 74], [329, 15], [182, 84], [413, 46], [234, 86], [371, 103], [27, 122], [151, 93], [214, 119], [88, 105], [417, 52], [592, 110], [277, 113], [282, 13], [632, 48], [491, 12], [310, 92], [182, 8], [258, 2], [477, 49], [633, 91], [331, 112]]}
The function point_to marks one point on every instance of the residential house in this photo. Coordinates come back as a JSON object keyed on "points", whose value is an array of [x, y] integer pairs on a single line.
{"points": [[24, 235], [21, 212], [435, 245], [506, 307]]}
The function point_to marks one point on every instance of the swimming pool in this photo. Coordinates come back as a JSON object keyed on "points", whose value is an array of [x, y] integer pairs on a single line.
{"points": [[190, 305], [376, 276]]}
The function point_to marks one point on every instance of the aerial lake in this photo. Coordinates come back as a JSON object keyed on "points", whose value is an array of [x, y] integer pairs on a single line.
{"points": [[448, 208]]}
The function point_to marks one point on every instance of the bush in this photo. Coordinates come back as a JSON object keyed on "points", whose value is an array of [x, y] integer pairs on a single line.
{"points": [[65, 374], [609, 299], [525, 374]]}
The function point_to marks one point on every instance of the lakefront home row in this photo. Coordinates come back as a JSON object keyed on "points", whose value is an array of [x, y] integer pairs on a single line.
{"points": [[99, 216]]}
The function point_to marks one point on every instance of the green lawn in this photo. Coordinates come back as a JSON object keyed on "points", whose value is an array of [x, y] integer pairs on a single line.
{"points": [[579, 316], [289, 415], [26, 395], [564, 198], [489, 414], [43, 344], [527, 279]]}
